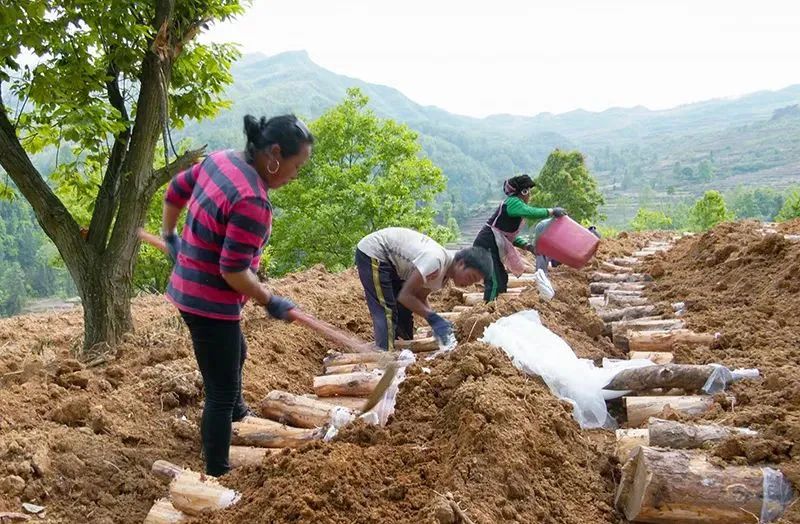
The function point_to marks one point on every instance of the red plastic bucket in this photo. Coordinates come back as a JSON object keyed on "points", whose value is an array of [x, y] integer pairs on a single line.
{"points": [[566, 241]]}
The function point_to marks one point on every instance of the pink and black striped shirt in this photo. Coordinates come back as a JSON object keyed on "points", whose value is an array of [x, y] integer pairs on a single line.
{"points": [[228, 223]]}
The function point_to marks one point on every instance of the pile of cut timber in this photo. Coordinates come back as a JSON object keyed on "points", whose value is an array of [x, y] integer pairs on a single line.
{"points": [[666, 475]]}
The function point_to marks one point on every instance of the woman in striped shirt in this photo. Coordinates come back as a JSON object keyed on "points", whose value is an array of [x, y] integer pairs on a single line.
{"points": [[228, 223]]}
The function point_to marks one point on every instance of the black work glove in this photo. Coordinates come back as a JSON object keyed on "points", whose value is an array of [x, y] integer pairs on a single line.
{"points": [[279, 307], [558, 212], [173, 242], [442, 329]]}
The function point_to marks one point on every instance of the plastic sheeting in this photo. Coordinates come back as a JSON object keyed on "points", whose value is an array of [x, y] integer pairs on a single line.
{"points": [[536, 350], [777, 494]]}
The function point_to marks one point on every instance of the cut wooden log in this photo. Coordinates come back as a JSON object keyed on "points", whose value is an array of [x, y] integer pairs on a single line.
{"points": [[195, 495], [462, 309], [472, 299], [666, 340], [614, 268], [423, 332], [163, 512], [514, 290], [664, 486], [627, 313], [639, 409], [358, 384], [599, 276], [339, 359], [608, 328], [295, 410], [677, 435], [624, 292], [353, 368], [683, 376], [656, 357], [522, 282], [275, 436], [598, 288], [352, 403], [166, 470], [618, 301], [597, 302], [621, 329], [628, 442], [248, 455], [625, 261], [417, 345]]}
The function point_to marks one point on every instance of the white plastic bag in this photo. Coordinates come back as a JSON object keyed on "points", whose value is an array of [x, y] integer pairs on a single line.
{"points": [[380, 414], [536, 350], [544, 285]]}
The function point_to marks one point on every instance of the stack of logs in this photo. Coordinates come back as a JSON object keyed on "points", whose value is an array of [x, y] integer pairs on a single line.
{"points": [[289, 420], [666, 478]]}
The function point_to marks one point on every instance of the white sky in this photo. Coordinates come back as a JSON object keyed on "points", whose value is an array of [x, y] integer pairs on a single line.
{"points": [[525, 57]]}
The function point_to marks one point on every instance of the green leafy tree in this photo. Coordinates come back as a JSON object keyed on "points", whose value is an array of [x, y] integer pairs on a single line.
{"points": [[365, 174], [650, 219], [709, 211], [791, 208], [12, 289], [760, 203], [107, 78], [566, 182]]}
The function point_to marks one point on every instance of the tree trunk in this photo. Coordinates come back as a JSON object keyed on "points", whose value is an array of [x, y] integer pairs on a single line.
{"points": [[355, 404], [683, 376], [621, 330], [627, 313], [195, 495], [613, 300], [599, 276], [676, 435], [106, 299], [163, 512], [353, 368], [661, 486], [273, 435], [598, 288], [249, 456], [418, 345], [628, 442], [340, 359]]}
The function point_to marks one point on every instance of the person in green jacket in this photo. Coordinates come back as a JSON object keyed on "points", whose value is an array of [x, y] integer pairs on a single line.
{"points": [[500, 234]]}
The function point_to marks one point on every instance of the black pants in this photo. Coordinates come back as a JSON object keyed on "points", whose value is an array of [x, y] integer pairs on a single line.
{"points": [[497, 282], [382, 284], [220, 350]]}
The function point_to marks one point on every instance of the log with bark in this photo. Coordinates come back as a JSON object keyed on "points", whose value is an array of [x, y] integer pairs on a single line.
{"points": [[340, 359], [627, 313], [665, 486], [356, 404], [166, 470], [163, 512], [248, 455], [639, 409], [612, 300], [678, 435], [462, 309], [625, 261], [417, 345], [599, 276], [688, 377], [598, 288], [621, 329], [472, 299], [597, 303], [359, 384], [607, 329], [353, 368], [296, 410], [628, 442], [523, 281], [656, 357], [614, 268], [666, 340], [273, 435]]}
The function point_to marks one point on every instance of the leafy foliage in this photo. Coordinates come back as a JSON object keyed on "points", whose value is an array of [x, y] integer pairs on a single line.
{"points": [[709, 211], [566, 182], [760, 203], [650, 219], [791, 208], [365, 173]]}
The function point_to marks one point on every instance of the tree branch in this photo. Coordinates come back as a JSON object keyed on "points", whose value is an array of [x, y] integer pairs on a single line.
{"points": [[52, 215], [108, 195], [183, 162]]}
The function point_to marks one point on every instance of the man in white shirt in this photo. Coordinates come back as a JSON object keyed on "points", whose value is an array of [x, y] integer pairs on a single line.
{"points": [[399, 268]]}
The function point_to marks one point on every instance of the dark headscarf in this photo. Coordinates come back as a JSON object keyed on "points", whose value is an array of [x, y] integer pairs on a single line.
{"points": [[515, 185]]}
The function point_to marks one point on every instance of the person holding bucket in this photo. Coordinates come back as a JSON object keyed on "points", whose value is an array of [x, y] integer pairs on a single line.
{"points": [[500, 233]]}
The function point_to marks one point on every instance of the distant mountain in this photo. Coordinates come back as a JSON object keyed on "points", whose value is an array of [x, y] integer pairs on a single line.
{"points": [[749, 140]]}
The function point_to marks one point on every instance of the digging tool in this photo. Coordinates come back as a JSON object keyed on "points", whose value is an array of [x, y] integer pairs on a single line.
{"points": [[323, 328]]}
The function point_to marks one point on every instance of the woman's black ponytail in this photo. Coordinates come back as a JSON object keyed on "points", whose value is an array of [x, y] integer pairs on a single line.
{"points": [[289, 132]]}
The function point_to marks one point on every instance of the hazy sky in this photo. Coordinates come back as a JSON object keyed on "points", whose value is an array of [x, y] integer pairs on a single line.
{"points": [[525, 57]]}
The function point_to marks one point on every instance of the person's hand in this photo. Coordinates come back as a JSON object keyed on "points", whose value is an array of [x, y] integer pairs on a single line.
{"points": [[558, 212], [442, 329], [530, 249], [173, 243], [279, 307]]}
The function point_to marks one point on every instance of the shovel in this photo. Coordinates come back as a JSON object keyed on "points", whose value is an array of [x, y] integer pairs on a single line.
{"points": [[323, 328]]}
